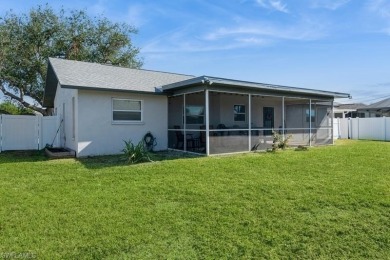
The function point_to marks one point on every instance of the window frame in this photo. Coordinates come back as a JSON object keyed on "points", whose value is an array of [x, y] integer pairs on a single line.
{"points": [[235, 113], [127, 121], [186, 116], [313, 115]]}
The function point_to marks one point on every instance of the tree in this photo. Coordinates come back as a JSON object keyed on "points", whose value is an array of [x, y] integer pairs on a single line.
{"points": [[28, 40], [8, 107]]}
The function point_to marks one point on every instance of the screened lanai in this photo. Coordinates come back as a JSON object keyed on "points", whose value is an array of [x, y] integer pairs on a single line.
{"points": [[216, 116]]}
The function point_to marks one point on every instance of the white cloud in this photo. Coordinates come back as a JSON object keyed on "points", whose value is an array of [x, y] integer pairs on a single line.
{"points": [[329, 4], [279, 6], [381, 7], [184, 40], [241, 33], [253, 40], [276, 5], [135, 15], [295, 32], [386, 30]]}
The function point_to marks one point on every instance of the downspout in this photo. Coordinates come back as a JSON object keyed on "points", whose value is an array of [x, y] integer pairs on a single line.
{"points": [[207, 123]]}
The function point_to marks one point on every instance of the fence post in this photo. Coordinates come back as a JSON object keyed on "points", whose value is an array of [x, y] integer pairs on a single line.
{"points": [[338, 128], [358, 129], [40, 132], [385, 135], [349, 128]]}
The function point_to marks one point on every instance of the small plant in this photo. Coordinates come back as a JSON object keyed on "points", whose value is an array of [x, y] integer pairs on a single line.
{"points": [[278, 142], [301, 148], [135, 153]]}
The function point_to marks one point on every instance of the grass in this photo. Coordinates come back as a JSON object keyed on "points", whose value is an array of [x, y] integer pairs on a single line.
{"points": [[328, 202]]}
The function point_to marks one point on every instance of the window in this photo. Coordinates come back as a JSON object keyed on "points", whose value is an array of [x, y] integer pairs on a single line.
{"points": [[313, 115], [239, 113], [126, 110], [195, 115], [361, 115], [338, 115]]}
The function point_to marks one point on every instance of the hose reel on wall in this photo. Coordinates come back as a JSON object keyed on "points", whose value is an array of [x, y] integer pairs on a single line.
{"points": [[150, 141]]}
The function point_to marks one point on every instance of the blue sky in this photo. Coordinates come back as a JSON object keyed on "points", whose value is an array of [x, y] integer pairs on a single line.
{"points": [[335, 45]]}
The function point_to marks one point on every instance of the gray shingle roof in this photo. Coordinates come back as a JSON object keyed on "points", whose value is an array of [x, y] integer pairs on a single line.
{"points": [[93, 76], [86, 75], [350, 106], [385, 103]]}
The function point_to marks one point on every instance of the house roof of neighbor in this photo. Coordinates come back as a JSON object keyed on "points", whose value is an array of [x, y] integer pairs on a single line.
{"points": [[352, 106], [94, 76], [383, 104]]}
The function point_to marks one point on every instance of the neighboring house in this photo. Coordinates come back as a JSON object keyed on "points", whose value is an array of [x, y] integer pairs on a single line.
{"points": [[349, 110], [102, 105], [378, 109]]}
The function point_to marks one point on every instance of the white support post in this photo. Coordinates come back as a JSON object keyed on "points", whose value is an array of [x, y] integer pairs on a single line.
{"points": [[309, 122], [207, 122], [250, 122], [283, 126], [184, 124], [332, 123]]}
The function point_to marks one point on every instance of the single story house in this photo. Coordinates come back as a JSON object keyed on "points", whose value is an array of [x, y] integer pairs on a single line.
{"points": [[102, 105], [378, 109], [352, 110]]}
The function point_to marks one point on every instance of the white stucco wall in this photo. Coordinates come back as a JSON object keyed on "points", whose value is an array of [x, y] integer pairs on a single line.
{"points": [[98, 135], [63, 106]]}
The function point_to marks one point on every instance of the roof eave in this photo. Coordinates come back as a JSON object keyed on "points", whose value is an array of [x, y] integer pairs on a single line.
{"points": [[112, 90], [255, 85], [184, 83], [252, 85]]}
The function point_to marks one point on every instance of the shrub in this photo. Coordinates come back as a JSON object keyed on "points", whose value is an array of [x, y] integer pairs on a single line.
{"points": [[9, 107], [278, 142], [135, 153]]}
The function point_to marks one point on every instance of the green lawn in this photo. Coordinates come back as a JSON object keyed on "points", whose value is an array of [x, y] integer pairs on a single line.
{"points": [[328, 202]]}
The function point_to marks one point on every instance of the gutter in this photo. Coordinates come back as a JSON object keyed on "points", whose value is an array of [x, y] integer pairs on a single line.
{"points": [[205, 80]]}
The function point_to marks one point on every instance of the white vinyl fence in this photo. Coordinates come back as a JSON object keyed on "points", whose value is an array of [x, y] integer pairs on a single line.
{"points": [[28, 132], [373, 128]]}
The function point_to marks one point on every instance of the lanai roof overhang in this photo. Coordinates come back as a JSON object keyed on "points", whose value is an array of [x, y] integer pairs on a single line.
{"points": [[238, 86], [250, 89]]}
